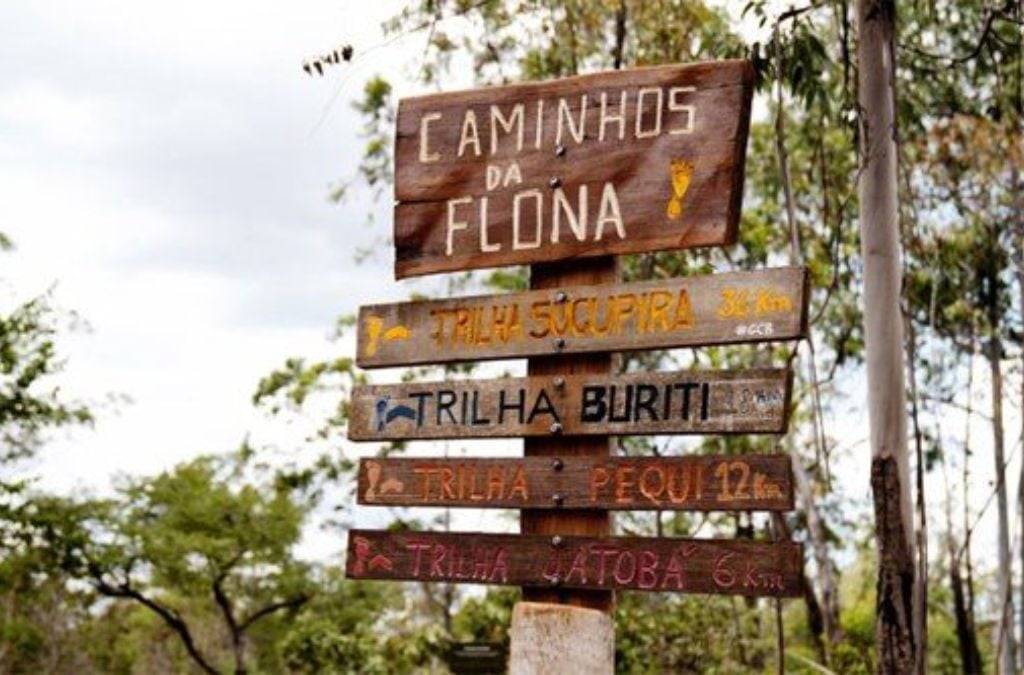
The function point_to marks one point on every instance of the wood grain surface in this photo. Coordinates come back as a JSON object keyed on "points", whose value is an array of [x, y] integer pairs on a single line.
{"points": [[573, 318], [616, 162], [693, 483], [712, 566], [682, 402]]}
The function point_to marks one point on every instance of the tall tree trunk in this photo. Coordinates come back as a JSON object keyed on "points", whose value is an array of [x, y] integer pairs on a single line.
{"points": [[896, 624], [1007, 643], [968, 557], [828, 615], [921, 538], [1017, 182], [970, 656]]}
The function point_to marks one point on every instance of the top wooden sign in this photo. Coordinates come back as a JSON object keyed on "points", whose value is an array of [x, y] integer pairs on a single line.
{"points": [[620, 162]]}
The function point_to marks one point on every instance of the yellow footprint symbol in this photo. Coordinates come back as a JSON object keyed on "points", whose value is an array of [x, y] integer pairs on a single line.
{"points": [[375, 330], [681, 171]]}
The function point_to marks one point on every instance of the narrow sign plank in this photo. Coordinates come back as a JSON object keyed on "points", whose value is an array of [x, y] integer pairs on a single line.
{"points": [[617, 162], [694, 483], [720, 566], [685, 402], [715, 309]]}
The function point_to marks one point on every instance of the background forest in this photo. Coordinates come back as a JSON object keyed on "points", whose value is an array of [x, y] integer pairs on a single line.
{"points": [[199, 568]]}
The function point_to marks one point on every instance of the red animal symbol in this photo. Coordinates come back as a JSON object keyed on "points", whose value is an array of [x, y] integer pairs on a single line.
{"points": [[365, 560]]}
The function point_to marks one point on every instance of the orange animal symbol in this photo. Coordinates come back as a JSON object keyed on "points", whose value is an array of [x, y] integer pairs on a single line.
{"points": [[390, 485], [681, 172]]}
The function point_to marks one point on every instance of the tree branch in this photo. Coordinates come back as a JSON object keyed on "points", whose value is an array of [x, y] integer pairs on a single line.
{"points": [[292, 603], [170, 617]]}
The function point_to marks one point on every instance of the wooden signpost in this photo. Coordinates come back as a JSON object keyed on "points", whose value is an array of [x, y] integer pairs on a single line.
{"points": [[696, 483], [641, 160], [732, 566], [692, 311], [563, 176], [687, 402]]}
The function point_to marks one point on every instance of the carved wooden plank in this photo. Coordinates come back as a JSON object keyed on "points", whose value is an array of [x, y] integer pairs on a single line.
{"points": [[683, 402], [720, 566], [615, 162], [692, 483], [715, 309]]}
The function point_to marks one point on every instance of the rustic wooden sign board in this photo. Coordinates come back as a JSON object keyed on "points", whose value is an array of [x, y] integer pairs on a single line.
{"points": [[721, 566], [693, 483], [684, 402], [618, 162], [717, 309]]}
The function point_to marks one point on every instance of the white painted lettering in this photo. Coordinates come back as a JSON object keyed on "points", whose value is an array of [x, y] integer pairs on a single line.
{"points": [[455, 224], [470, 134], [506, 124], [517, 243], [577, 220], [675, 106], [607, 118], [485, 245], [565, 115], [426, 156], [656, 130], [610, 212]]}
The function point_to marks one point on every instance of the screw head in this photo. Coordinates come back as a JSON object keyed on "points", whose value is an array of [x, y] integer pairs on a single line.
{"points": [[558, 499], [559, 343], [557, 464], [559, 382], [555, 182], [561, 296], [556, 427], [560, 150], [557, 540], [555, 581]]}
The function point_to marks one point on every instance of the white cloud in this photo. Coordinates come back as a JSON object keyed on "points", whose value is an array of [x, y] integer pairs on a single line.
{"points": [[163, 163]]}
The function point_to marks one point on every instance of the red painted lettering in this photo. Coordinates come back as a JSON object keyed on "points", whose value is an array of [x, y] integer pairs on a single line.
{"points": [[435, 565], [499, 571], [647, 570], [603, 553], [722, 575], [622, 576], [646, 487], [598, 479], [623, 482], [418, 550], [579, 566]]}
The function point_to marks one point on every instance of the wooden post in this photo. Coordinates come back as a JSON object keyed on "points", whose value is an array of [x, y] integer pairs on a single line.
{"points": [[556, 276], [556, 639], [899, 627], [551, 639]]}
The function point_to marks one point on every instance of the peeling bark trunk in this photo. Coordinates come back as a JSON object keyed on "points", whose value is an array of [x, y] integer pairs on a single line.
{"points": [[899, 648], [894, 605]]}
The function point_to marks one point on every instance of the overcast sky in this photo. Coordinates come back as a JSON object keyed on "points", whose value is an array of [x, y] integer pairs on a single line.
{"points": [[167, 166]]}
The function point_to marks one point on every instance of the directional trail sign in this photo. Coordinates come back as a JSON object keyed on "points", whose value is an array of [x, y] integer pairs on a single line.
{"points": [[563, 176], [693, 483], [727, 308], [722, 566], [683, 402], [618, 162]]}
